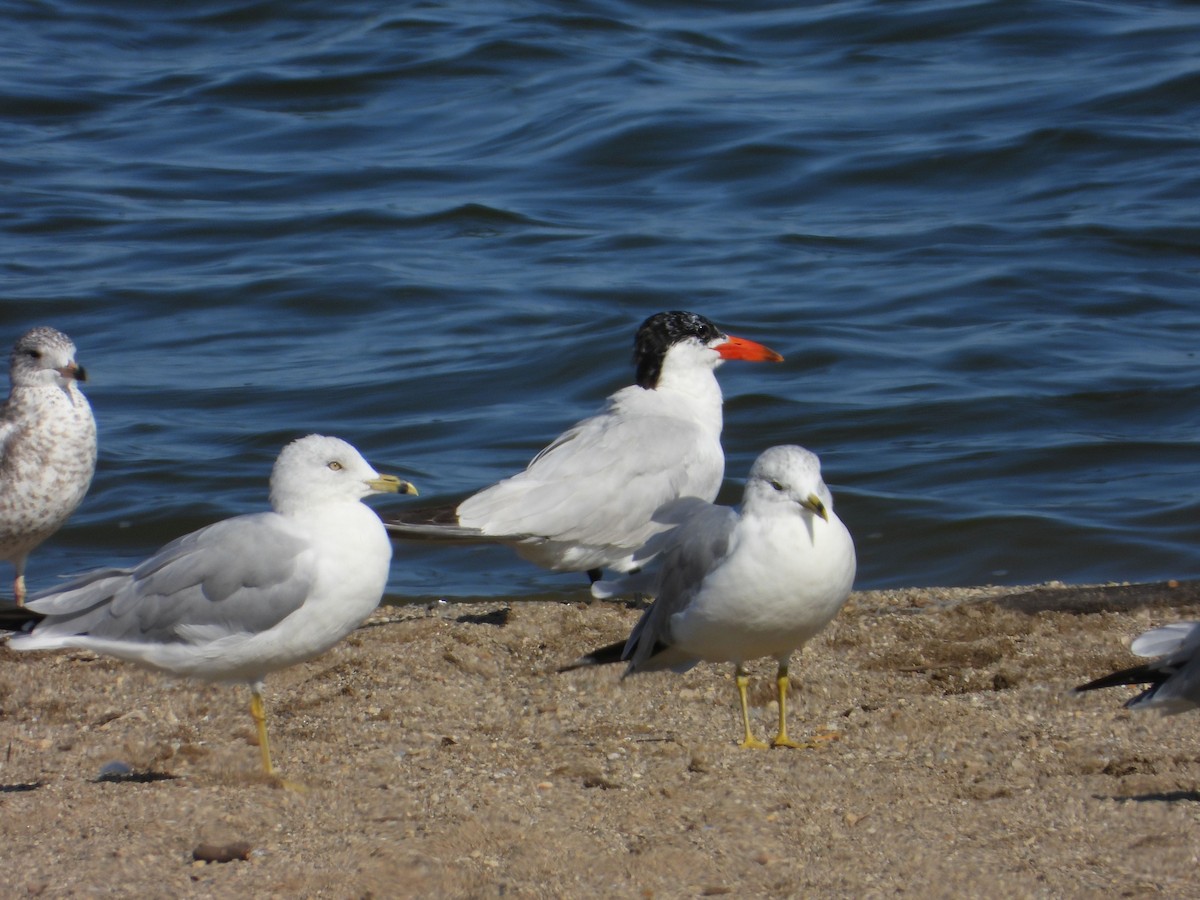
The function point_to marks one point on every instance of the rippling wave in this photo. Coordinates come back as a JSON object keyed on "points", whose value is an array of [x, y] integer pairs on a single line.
{"points": [[969, 226]]}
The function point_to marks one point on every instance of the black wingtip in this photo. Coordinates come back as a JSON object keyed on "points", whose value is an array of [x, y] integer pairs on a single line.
{"points": [[18, 618], [603, 656], [442, 515], [1145, 674]]}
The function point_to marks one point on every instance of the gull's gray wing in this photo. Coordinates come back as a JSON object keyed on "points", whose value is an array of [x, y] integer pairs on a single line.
{"points": [[241, 575], [686, 555]]}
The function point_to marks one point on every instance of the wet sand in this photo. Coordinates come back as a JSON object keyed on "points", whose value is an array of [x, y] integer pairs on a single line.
{"points": [[437, 752]]}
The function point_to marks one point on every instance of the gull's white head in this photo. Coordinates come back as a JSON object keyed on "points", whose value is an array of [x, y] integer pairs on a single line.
{"points": [[44, 356], [788, 476], [318, 469]]}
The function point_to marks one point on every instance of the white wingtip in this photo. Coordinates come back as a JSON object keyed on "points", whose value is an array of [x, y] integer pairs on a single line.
{"points": [[605, 590], [1166, 639]]}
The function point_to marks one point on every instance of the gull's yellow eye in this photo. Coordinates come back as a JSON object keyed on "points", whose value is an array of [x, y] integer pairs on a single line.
{"points": [[335, 466]]}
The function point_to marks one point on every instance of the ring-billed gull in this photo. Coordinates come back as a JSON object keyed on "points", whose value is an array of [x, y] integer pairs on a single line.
{"points": [[586, 502], [246, 596], [732, 587], [1174, 680], [47, 445]]}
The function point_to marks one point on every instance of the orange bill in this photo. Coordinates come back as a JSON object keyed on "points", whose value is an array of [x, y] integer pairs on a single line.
{"points": [[740, 348]]}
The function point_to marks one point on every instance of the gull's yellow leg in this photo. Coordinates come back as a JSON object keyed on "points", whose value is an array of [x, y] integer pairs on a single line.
{"points": [[749, 741], [782, 739], [19, 589], [259, 713]]}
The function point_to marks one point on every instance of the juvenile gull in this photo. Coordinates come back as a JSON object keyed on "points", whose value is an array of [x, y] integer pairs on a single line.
{"points": [[732, 586], [1174, 680], [587, 500], [246, 596], [47, 446]]}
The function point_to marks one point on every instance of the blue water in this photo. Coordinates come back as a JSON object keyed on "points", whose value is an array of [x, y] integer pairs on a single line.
{"points": [[432, 228]]}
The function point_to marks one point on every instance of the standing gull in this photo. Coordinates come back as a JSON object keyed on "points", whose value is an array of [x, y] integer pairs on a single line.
{"points": [[733, 586], [586, 502], [47, 445], [246, 596], [1174, 680]]}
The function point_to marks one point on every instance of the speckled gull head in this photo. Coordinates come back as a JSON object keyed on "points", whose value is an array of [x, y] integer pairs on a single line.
{"points": [[43, 356]]}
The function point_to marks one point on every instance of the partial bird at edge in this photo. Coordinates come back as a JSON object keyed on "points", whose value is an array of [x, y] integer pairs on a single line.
{"points": [[1173, 679]]}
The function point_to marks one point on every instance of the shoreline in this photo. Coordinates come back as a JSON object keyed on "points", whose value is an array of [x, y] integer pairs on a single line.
{"points": [[436, 750]]}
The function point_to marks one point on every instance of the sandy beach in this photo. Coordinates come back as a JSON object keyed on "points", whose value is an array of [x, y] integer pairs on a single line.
{"points": [[437, 752]]}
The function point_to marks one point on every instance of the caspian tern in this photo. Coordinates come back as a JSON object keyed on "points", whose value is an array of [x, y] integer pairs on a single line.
{"points": [[246, 596], [47, 446], [587, 501], [1174, 680], [732, 587]]}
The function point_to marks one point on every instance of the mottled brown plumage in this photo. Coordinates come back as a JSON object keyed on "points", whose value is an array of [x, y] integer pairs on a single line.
{"points": [[47, 445]]}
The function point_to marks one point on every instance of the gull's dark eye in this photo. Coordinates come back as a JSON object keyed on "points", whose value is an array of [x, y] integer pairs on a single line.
{"points": [[335, 466], [777, 486], [34, 354]]}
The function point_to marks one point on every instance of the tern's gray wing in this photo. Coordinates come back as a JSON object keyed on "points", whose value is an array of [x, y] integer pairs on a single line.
{"points": [[437, 523], [588, 486], [688, 553], [242, 575]]}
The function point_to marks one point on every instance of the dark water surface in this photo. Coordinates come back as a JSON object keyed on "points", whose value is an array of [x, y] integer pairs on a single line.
{"points": [[431, 228]]}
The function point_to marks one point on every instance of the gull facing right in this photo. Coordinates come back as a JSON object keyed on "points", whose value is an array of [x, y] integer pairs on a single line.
{"points": [[47, 445], [246, 596], [732, 587], [587, 501]]}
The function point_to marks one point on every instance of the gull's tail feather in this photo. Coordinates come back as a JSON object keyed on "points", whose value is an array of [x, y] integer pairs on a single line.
{"points": [[1145, 674], [18, 620], [603, 656], [661, 657], [1151, 675]]}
